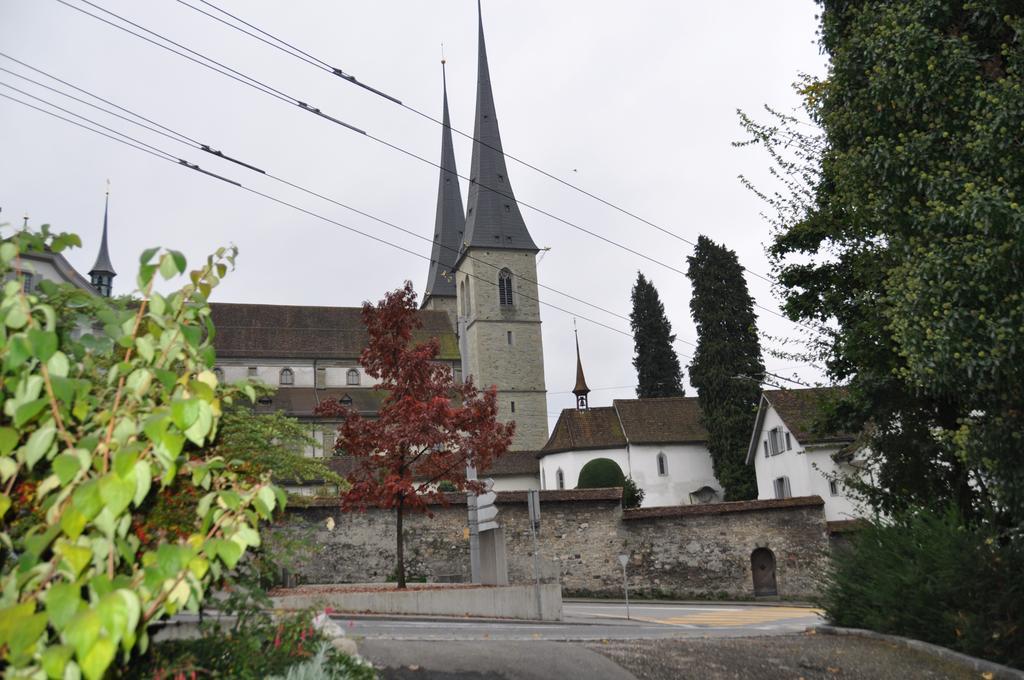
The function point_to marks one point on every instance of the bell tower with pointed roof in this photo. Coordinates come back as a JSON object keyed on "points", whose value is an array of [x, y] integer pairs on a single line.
{"points": [[449, 223], [581, 390], [496, 279], [102, 273]]}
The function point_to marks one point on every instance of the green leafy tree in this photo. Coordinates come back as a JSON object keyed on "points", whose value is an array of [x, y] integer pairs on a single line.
{"points": [[726, 369], [655, 360], [903, 241], [102, 407]]}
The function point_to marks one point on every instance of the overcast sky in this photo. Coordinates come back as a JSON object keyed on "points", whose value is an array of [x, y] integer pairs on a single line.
{"points": [[635, 102]]}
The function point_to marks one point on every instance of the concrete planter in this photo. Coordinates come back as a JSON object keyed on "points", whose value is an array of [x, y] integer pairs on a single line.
{"points": [[499, 602]]}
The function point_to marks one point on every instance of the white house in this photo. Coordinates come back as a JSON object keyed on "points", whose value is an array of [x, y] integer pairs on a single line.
{"points": [[659, 443], [791, 458]]}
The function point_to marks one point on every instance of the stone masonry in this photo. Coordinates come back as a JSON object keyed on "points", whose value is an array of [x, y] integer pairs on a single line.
{"points": [[692, 551]]}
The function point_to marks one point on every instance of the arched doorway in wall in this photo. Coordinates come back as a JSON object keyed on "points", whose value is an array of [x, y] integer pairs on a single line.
{"points": [[762, 564]]}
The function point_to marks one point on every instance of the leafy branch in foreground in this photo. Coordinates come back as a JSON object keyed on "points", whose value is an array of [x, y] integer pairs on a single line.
{"points": [[102, 402]]}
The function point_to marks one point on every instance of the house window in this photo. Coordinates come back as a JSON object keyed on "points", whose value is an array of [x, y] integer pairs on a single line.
{"points": [[508, 337], [218, 373], [287, 377], [329, 439], [253, 372], [776, 441], [662, 465], [560, 479], [782, 487], [833, 487], [505, 288], [321, 377], [352, 377]]}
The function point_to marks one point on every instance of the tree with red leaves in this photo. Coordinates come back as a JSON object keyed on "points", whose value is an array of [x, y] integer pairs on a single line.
{"points": [[428, 428]]}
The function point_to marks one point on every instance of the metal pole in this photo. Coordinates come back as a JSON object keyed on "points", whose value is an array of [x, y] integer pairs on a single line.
{"points": [[474, 530], [536, 570], [625, 587]]}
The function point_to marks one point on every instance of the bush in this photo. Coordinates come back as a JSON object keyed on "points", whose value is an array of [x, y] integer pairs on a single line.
{"points": [[632, 495], [927, 577], [601, 473]]}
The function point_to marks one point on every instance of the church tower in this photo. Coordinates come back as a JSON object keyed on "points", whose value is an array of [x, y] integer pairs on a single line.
{"points": [[102, 273], [496, 275], [449, 223]]}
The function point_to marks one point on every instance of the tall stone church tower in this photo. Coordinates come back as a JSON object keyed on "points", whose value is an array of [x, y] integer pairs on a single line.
{"points": [[483, 271], [496, 282]]}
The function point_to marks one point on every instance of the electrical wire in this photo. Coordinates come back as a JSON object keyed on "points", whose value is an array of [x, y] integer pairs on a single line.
{"points": [[278, 94], [316, 62]]}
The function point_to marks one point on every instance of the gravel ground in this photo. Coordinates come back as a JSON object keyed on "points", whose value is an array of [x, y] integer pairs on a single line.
{"points": [[790, 657]]}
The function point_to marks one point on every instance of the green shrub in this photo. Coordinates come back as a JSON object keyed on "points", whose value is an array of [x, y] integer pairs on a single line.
{"points": [[927, 577], [600, 473], [632, 495]]}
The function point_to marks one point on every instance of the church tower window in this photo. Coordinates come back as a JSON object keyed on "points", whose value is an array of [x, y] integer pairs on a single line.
{"points": [[662, 465], [505, 288], [287, 377], [560, 479], [352, 377], [462, 297]]}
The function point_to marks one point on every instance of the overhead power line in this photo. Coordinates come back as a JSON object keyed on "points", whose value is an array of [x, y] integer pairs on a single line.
{"points": [[297, 53], [255, 83], [182, 138], [134, 143]]}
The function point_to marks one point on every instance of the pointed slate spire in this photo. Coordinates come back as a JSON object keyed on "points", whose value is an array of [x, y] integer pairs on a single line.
{"points": [[493, 219], [102, 273], [450, 221], [581, 390]]}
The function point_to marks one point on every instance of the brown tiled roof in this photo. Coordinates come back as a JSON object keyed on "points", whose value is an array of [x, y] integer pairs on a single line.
{"points": [[596, 428], [272, 331], [514, 463], [723, 508], [802, 410], [301, 401], [666, 420]]}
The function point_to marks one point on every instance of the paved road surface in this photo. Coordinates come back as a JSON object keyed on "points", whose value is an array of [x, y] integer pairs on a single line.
{"points": [[600, 621]]}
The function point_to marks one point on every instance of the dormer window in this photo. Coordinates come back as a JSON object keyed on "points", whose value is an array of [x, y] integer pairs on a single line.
{"points": [[345, 401]]}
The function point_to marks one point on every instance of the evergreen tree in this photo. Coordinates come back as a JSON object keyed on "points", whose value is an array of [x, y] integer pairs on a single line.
{"points": [[727, 366], [656, 363]]}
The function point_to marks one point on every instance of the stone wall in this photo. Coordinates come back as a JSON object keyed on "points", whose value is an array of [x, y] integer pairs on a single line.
{"points": [[689, 551]]}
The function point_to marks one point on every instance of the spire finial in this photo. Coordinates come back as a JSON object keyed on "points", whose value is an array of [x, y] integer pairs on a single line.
{"points": [[102, 274], [581, 390]]}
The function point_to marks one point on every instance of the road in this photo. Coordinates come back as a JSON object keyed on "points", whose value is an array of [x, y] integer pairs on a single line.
{"points": [[657, 642], [595, 621]]}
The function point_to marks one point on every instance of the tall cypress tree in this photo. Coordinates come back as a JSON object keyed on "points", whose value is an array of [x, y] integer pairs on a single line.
{"points": [[656, 363], [727, 366]]}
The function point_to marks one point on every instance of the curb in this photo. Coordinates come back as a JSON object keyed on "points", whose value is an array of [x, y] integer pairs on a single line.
{"points": [[998, 671], [338, 615], [639, 602]]}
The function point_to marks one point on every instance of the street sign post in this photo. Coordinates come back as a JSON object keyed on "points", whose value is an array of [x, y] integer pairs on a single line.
{"points": [[623, 560], [533, 503]]}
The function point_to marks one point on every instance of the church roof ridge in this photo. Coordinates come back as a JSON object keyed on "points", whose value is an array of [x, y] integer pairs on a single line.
{"points": [[493, 218]]}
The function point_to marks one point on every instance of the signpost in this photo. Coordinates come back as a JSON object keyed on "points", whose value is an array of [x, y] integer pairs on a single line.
{"points": [[533, 503], [623, 559], [486, 510], [474, 530]]}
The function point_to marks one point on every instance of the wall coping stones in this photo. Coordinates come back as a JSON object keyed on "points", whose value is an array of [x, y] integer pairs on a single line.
{"points": [[846, 526], [723, 508], [507, 497]]}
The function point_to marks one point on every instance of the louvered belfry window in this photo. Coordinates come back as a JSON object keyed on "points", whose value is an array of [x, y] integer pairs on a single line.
{"points": [[505, 288]]}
